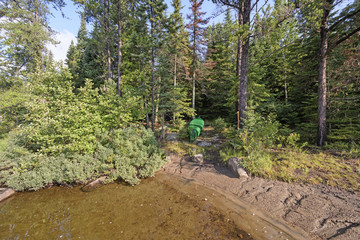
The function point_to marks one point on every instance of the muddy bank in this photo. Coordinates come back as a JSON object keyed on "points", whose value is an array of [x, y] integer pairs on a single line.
{"points": [[323, 212]]}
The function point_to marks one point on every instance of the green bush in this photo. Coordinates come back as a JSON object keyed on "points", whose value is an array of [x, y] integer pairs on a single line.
{"points": [[178, 124], [133, 153], [129, 154], [183, 133], [73, 136], [257, 137], [60, 120], [219, 125], [3, 142]]}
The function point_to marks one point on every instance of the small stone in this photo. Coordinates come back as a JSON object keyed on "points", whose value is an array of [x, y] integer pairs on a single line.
{"points": [[171, 137], [205, 199], [236, 167], [203, 144], [198, 158], [170, 198]]}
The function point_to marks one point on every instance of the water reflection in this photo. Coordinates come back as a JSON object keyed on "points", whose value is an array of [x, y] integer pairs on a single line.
{"points": [[151, 210]]}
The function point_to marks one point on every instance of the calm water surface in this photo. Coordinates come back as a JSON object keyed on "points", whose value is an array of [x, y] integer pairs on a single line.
{"points": [[151, 210], [159, 208]]}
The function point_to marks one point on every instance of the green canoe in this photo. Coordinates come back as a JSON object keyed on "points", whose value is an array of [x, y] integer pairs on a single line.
{"points": [[195, 128]]}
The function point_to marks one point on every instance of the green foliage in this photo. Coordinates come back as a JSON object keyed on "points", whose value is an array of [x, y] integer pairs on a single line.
{"points": [[133, 152], [24, 35], [60, 120], [220, 84], [178, 124], [130, 154], [3, 142], [183, 133], [219, 124], [12, 108], [255, 140]]}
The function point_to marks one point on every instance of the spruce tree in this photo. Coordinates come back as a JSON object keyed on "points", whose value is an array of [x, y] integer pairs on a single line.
{"points": [[197, 42], [24, 35], [75, 55], [221, 58], [179, 49]]}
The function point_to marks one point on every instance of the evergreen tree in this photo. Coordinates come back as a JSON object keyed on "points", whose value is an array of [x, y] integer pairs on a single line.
{"points": [[75, 55], [197, 43], [221, 59], [179, 49], [24, 34]]}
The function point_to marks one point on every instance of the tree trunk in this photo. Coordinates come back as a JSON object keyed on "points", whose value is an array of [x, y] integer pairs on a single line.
{"points": [[244, 67], [152, 72], [238, 61], [118, 85], [38, 64], [107, 32], [157, 102], [193, 85], [175, 70], [285, 82], [194, 67], [324, 35], [175, 73]]}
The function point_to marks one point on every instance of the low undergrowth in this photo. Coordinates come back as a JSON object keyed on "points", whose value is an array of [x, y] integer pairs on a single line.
{"points": [[3, 142], [129, 154], [315, 167], [302, 166], [276, 153]]}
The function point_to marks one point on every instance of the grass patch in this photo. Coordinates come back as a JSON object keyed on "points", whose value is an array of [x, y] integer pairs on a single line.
{"points": [[182, 148], [309, 167], [320, 167]]}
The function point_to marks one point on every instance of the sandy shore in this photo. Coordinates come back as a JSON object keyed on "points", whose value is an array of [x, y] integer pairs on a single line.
{"points": [[323, 212]]}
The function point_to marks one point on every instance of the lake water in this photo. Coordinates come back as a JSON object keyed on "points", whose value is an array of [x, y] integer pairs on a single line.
{"points": [[159, 208]]}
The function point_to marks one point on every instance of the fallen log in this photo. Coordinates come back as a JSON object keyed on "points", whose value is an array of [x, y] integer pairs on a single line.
{"points": [[94, 184], [6, 193]]}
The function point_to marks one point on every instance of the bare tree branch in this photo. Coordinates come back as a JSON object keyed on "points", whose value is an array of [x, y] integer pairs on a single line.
{"points": [[343, 39], [255, 4], [344, 18], [230, 4], [252, 20]]}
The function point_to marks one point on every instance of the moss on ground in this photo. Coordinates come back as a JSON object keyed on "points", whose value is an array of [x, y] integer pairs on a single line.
{"points": [[317, 167]]}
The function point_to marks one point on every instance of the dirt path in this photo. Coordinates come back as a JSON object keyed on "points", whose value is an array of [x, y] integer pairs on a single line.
{"points": [[322, 211]]}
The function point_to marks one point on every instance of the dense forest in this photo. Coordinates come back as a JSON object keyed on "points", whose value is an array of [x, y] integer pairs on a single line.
{"points": [[276, 74]]}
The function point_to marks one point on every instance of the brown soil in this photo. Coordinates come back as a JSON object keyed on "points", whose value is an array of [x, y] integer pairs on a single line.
{"points": [[322, 211]]}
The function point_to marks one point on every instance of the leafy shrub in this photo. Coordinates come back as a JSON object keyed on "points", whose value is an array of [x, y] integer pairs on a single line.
{"points": [[133, 152], [219, 125], [3, 142], [258, 131], [60, 120], [253, 142], [130, 154], [72, 136], [178, 124], [183, 133]]}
